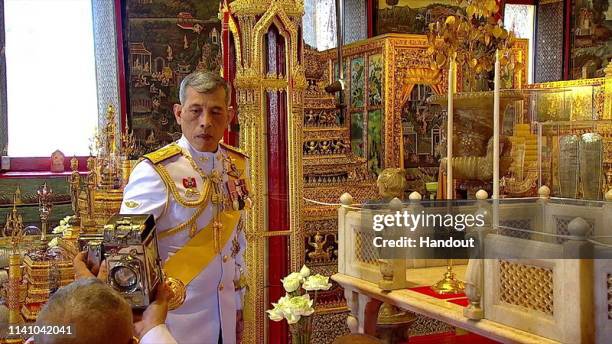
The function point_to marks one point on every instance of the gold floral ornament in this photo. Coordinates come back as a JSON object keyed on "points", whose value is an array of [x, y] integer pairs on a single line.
{"points": [[474, 38]]}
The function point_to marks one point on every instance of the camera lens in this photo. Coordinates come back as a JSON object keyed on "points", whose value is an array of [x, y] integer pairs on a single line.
{"points": [[124, 278]]}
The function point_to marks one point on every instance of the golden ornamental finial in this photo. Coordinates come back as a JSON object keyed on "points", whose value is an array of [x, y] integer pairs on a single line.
{"points": [[110, 112], [13, 227], [17, 196], [128, 143]]}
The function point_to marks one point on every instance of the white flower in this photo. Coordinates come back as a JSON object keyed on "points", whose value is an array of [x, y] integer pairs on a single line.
{"points": [[275, 314], [53, 243], [305, 271], [64, 224], [292, 318], [292, 282], [317, 282], [291, 308], [281, 308], [301, 305]]}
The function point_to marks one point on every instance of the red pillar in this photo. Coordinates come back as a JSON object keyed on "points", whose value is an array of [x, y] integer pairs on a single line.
{"points": [[229, 72], [278, 182]]}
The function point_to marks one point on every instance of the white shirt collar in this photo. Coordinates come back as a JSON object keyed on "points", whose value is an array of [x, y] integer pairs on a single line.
{"points": [[206, 160], [184, 143]]}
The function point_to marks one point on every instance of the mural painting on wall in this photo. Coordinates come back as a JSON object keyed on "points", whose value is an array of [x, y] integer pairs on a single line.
{"points": [[375, 79], [421, 127], [365, 108], [165, 41], [357, 133], [357, 82], [411, 16], [375, 130], [591, 38]]}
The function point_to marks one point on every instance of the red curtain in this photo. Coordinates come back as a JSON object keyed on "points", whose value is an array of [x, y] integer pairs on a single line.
{"points": [[278, 180]]}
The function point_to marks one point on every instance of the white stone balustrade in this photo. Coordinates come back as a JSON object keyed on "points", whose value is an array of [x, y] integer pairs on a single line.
{"points": [[534, 291]]}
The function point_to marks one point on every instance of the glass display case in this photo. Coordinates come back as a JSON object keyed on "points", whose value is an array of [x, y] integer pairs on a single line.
{"points": [[570, 137]]}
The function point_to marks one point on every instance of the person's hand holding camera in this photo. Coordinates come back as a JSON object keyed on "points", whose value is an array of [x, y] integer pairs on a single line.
{"points": [[155, 314], [81, 270]]}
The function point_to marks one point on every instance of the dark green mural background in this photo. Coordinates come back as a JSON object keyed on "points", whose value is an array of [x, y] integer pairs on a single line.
{"points": [[164, 41]]}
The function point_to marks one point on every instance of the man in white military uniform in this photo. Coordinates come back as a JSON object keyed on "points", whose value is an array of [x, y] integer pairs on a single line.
{"points": [[190, 188]]}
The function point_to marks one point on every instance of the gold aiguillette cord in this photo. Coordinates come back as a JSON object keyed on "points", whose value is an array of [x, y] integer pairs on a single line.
{"points": [[216, 200]]}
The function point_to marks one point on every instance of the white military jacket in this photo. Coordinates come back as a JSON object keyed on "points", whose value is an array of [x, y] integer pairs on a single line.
{"points": [[212, 300]]}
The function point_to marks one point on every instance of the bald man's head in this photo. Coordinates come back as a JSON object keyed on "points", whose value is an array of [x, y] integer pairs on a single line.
{"points": [[96, 312]]}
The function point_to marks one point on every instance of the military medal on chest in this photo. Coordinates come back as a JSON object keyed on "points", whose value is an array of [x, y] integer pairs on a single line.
{"points": [[236, 187], [191, 187]]}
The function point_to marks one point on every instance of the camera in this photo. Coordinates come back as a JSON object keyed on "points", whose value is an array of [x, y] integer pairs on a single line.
{"points": [[129, 246]]}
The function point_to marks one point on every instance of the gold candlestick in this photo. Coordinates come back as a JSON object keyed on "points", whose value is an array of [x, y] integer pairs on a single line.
{"points": [[45, 205]]}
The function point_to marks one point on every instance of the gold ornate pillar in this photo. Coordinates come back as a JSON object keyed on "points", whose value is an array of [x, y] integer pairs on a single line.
{"points": [[249, 23], [607, 113]]}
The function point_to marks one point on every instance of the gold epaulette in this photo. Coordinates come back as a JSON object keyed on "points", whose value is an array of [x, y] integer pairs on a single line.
{"points": [[163, 153], [235, 150]]}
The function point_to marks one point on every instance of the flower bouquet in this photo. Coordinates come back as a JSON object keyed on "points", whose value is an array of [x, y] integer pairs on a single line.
{"points": [[65, 223], [297, 306]]}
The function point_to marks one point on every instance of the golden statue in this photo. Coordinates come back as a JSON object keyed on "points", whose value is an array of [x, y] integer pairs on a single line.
{"points": [[74, 184], [14, 222], [320, 253], [110, 144]]}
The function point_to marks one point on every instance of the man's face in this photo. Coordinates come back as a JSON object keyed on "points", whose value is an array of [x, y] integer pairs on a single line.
{"points": [[203, 118]]}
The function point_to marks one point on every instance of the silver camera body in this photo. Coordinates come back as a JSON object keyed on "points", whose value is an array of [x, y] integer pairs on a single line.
{"points": [[129, 246]]}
